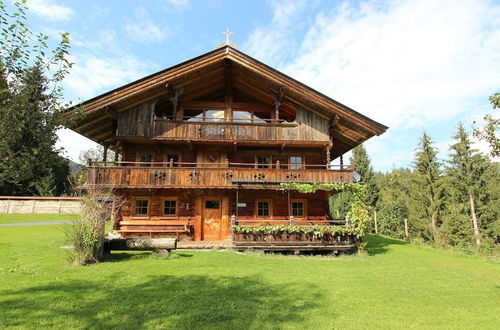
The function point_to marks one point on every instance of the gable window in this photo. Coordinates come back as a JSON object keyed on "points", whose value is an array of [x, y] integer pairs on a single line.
{"points": [[296, 162], [170, 207], [298, 208], [164, 108], [263, 161], [145, 160], [141, 207], [263, 208]]}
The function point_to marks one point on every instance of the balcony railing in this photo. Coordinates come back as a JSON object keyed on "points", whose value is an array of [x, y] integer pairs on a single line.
{"points": [[204, 175]]}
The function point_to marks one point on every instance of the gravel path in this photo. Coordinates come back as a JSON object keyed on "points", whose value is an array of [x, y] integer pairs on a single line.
{"points": [[41, 223]]}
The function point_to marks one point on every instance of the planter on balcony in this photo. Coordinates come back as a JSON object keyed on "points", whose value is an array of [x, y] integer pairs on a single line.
{"points": [[285, 239]]}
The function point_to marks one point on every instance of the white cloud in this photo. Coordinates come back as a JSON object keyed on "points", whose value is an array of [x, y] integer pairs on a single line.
{"points": [[73, 143], [49, 10], [91, 75], [271, 44], [404, 64], [143, 29], [178, 4]]}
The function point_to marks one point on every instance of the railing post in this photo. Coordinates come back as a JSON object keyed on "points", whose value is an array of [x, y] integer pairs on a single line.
{"points": [[233, 220], [171, 163], [226, 163], [291, 220], [347, 222], [278, 164]]}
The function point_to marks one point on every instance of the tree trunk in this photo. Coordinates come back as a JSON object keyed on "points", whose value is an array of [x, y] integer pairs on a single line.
{"points": [[140, 244], [474, 219], [434, 226]]}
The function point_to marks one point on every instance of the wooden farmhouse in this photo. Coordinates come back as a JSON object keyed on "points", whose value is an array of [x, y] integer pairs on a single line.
{"points": [[205, 145]]}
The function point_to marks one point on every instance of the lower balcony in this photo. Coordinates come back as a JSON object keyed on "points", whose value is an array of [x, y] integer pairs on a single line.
{"points": [[227, 177]]}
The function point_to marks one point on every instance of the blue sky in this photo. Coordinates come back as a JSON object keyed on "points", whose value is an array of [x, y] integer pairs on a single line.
{"points": [[411, 65]]}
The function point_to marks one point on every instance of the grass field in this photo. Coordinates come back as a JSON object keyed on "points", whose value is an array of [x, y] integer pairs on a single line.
{"points": [[396, 285], [32, 217]]}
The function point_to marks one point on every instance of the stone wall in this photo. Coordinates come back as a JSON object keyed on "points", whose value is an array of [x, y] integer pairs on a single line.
{"points": [[63, 205]]}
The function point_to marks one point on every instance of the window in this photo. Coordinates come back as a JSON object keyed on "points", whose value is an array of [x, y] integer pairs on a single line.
{"points": [[296, 162], [145, 160], [170, 207], [164, 108], [263, 161], [263, 208], [298, 208], [174, 158], [141, 207], [212, 204]]}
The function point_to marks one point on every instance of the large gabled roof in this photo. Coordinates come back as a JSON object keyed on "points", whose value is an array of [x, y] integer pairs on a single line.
{"points": [[207, 73]]}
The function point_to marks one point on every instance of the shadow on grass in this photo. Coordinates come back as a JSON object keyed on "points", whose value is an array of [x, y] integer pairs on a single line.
{"points": [[380, 244], [126, 255], [185, 302]]}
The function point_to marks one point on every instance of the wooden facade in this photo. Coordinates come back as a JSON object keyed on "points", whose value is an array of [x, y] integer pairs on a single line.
{"points": [[206, 144]]}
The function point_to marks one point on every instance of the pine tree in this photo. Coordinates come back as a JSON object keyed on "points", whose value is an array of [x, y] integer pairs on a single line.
{"points": [[30, 165], [429, 181], [466, 169]]}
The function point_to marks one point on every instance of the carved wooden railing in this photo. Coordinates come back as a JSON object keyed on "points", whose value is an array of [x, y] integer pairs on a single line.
{"points": [[209, 177], [233, 131]]}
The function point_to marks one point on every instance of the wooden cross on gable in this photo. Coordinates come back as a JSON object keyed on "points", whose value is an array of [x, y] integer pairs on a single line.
{"points": [[227, 33]]}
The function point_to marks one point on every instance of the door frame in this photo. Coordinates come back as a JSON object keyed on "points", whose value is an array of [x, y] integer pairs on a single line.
{"points": [[198, 219]]}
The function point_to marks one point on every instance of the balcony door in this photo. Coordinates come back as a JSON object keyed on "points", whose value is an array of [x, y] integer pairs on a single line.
{"points": [[212, 226]]}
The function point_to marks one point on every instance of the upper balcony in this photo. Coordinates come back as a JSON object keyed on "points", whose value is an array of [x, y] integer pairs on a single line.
{"points": [[247, 123], [197, 175]]}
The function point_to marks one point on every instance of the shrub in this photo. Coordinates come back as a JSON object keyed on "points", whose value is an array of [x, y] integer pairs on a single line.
{"points": [[86, 233]]}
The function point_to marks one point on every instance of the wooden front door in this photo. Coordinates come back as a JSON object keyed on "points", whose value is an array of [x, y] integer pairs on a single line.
{"points": [[212, 226]]}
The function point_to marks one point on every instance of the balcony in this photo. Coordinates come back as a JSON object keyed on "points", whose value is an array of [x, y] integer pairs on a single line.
{"points": [[225, 176]]}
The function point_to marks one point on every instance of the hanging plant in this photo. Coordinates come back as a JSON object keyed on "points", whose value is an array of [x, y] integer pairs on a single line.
{"points": [[358, 213]]}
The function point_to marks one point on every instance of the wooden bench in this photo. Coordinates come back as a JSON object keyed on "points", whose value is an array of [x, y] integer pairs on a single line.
{"points": [[174, 226]]}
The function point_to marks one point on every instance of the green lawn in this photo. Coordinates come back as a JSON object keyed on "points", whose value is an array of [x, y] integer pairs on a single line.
{"points": [[31, 217], [396, 286]]}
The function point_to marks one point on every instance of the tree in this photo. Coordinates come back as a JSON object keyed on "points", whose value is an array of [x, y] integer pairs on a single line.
{"points": [[30, 108], [466, 169], [362, 165], [489, 132], [340, 202], [430, 192]]}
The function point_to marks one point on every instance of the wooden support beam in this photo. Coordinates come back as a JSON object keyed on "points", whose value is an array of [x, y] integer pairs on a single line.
{"points": [[235, 147], [190, 145], [282, 147], [278, 101], [328, 157], [117, 150], [212, 105], [173, 95], [229, 90], [105, 154]]}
